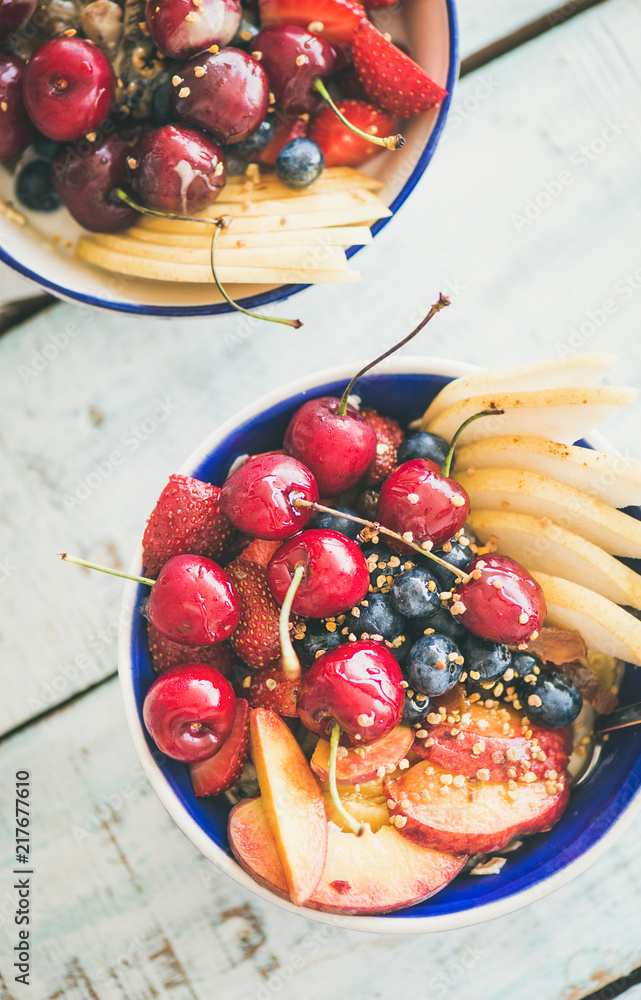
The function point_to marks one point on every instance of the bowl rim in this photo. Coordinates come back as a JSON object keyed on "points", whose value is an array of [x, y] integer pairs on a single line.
{"points": [[282, 292], [387, 924]]}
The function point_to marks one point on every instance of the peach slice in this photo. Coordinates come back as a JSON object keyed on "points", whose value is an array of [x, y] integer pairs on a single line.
{"points": [[355, 766], [293, 802], [476, 817], [375, 873]]}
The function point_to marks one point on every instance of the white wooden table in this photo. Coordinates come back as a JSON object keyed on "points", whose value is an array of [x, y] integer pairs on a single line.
{"points": [[124, 907]]}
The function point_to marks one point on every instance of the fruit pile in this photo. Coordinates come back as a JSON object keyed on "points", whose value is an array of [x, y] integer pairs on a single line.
{"points": [[384, 667], [151, 108]]}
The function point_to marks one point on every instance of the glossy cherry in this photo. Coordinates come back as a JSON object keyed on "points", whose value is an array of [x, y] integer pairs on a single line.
{"points": [[293, 59], [177, 169], [357, 685], [259, 497], [69, 88], [14, 14], [417, 499], [189, 712], [193, 602], [226, 93], [335, 577], [501, 602], [181, 28], [16, 131], [338, 447], [84, 177]]}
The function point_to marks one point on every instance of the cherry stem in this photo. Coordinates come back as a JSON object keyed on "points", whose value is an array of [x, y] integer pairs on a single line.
{"points": [[105, 569], [356, 828], [222, 220], [447, 464], [389, 142], [289, 661], [295, 323], [443, 301], [380, 529]]}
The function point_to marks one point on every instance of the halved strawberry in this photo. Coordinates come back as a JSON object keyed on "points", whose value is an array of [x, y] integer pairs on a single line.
{"points": [[166, 654], [341, 147], [388, 438], [269, 688], [335, 20], [287, 128], [186, 519], [220, 772], [256, 639], [260, 551], [392, 80]]}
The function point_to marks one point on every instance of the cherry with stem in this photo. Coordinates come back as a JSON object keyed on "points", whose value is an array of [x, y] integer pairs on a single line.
{"points": [[357, 828], [389, 142], [289, 660], [447, 464]]}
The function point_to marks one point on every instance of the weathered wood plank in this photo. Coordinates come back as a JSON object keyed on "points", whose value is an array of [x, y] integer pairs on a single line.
{"points": [[124, 908]]}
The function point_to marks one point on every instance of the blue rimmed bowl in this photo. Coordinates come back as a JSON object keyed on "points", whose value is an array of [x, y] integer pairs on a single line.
{"points": [[42, 250], [600, 808]]}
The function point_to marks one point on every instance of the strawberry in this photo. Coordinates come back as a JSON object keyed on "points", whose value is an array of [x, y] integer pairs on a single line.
{"points": [[186, 519], [335, 20], [341, 147], [220, 772], [375, 4], [269, 688], [388, 438], [166, 654], [288, 127], [256, 639], [260, 551], [392, 80]]}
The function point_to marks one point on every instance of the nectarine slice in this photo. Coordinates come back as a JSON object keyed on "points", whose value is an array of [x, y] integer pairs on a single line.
{"points": [[293, 802], [355, 766]]}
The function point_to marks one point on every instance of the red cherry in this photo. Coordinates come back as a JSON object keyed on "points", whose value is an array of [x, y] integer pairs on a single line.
{"points": [[338, 448], [505, 604], [418, 499], [84, 177], [69, 88], [189, 712], [226, 93], [357, 685], [336, 576], [193, 602], [259, 497], [14, 14], [181, 30], [293, 58], [16, 131], [177, 169]]}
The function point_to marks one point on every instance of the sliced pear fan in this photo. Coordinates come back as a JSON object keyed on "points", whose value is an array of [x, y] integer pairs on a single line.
{"points": [[528, 493], [564, 414], [538, 544], [603, 625], [612, 479], [579, 369]]}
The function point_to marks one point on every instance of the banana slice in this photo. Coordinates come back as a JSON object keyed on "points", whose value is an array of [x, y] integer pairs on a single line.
{"points": [[366, 803]]}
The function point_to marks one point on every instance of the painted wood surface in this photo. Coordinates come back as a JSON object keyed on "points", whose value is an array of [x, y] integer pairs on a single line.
{"points": [[97, 410]]}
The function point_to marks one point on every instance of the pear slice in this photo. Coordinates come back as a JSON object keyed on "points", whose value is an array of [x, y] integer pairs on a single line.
{"points": [[564, 414], [612, 479], [528, 493], [578, 369], [539, 544], [603, 625]]}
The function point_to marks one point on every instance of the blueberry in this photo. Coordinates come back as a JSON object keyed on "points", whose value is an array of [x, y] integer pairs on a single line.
{"points": [[33, 187], [300, 163], [432, 668], [46, 149], [247, 30], [332, 523], [525, 663], [400, 648], [457, 553], [376, 615], [161, 111], [443, 621], [484, 660], [367, 503], [236, 164], [318, 638], [256, 142], [416, 592], [415, 708], [423, 445], [550, 699], [384, 565]]}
